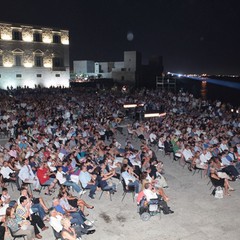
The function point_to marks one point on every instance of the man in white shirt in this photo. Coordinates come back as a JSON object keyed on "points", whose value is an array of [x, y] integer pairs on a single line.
{"points": [[87, 181], [153, 138], [56, 143], [223, 145], [6, 171], [26, 175], [205, 156], [187, 153], [188, 156], [130, 178], [60, 176], [8, 174]]}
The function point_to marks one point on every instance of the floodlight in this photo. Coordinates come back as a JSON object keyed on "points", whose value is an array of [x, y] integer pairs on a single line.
{"points": [[147, 115], [130, 105]]}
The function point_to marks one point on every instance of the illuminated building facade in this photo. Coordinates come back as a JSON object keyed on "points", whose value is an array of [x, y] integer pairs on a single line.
{"points": [[32, 56]]}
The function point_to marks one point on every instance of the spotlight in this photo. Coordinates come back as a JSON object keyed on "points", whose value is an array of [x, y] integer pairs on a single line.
{"points": [[130, 105], [147, 115], [133, 105], [232, 110]]}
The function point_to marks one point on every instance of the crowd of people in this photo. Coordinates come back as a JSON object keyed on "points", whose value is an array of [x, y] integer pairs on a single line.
{"points": [[68, 141]]}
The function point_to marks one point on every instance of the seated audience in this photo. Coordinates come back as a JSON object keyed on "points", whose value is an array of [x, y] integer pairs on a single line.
{"points": [[23, 227]]}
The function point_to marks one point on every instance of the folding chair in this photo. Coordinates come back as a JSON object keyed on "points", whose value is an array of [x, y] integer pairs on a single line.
{"points": [[42, 187], [106, 190], [196, 169], [16, 236], [56, 234], [127, 189]]}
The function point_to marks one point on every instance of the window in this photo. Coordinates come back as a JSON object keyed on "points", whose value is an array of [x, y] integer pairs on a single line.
{"points": [[18, 75], [38, 61], [16, 35], [18, 60], [39, 75], [57, 62], [0, 75], [56, 38], [37, 37], [57, 75]]}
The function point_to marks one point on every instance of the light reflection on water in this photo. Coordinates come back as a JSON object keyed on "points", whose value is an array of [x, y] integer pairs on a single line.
{"points": [[206, 90], [203, 90]]}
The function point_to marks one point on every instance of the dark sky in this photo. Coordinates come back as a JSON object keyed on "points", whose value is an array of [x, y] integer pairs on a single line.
{"points": [[193, 36]]}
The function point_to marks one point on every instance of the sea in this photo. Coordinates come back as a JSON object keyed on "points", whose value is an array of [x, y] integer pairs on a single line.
{"points": [[206, 90]]}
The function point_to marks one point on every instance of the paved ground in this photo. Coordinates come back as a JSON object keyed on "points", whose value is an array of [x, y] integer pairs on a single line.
{"points": [[198, 216]]}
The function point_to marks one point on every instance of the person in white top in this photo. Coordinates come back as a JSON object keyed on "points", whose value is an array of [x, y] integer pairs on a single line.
{"points": [[8, 175], [116, 143], [130, 178], [26, 175], [224, 145], [153, 138], [187, 153], [7, 172], [151, 194], [188, 156], [61, 177], [205, 156]]}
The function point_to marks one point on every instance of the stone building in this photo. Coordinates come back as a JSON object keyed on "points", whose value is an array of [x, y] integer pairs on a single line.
{"points": [[33, 55]]}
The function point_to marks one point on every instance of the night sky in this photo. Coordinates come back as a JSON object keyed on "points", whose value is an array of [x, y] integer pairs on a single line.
{"points": [[193, 36]]}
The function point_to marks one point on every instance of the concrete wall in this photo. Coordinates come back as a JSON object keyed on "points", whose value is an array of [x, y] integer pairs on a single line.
{"points": [[118, 65], [83, 66], [103, 67], [124, 76], [29, 77], [130, 61]]}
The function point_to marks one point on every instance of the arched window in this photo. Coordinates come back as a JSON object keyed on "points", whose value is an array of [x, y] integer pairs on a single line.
{"points": [[38, 58], [18, 53]]}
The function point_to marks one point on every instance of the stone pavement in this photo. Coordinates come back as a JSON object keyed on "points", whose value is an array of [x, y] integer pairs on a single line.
{"points": [[198, 216]]}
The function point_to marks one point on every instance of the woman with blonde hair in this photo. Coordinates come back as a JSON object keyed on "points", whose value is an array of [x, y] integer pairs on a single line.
{"points": [[68, 233]]}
